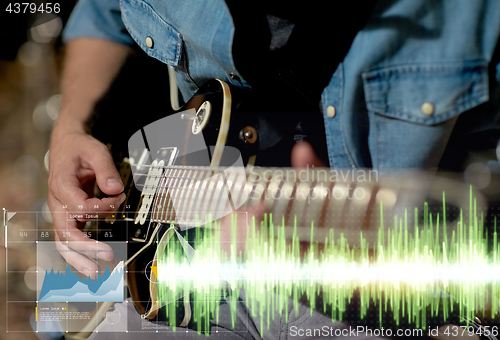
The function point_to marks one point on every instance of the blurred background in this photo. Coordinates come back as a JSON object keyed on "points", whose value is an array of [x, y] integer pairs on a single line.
{"points": [[31, 63], [30, 69]]}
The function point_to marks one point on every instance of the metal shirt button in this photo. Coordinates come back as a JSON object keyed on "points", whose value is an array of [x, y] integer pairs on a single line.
{"points": [[427, 108], [149, 42], [331, 111]]}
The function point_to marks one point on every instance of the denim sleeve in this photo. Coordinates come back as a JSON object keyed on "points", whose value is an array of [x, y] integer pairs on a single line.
{"points": [[97, 19]]}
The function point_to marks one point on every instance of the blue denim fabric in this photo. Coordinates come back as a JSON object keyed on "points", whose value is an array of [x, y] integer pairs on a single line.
{"points": [[410, 52], [97, 19]]}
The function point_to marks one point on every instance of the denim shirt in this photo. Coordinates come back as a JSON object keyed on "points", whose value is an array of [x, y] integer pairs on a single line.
{"points": [[415, 67]]}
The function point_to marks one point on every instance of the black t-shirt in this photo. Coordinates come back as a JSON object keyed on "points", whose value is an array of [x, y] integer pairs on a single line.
{"points": [[296, 46]]}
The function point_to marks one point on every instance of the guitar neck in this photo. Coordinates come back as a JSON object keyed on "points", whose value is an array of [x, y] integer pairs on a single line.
{"points": [[348, 200], [190, 196]]}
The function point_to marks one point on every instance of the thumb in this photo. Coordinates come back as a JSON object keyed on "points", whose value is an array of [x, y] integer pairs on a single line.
{"points": [[107, 177], [303, 156]]}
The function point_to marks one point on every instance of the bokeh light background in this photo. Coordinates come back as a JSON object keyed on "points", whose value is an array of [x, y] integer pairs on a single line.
{"points": [[30, 69]]}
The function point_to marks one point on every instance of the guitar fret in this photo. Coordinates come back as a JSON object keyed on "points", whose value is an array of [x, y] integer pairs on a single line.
{"points": [[275, 196], [336, 205], [359, 204], [316, 200], [257, 188], [267, 182], [208, 198], [166, 197], [372, 205], [161, 199], [153, 205], [170, 206], [273, 190], [148, 188], [346, 209], [299, 202], [211, 203], [326, 203], [203, 194], [197, 192], [220, 204], [243, 190], [181, 205], [289, 203], [232, 190], [177, 198], [169, 202], [154, 211]]}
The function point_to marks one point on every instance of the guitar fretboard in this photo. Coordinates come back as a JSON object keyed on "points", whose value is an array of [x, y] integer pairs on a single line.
{"points": [[190, 196], [348, 201]]}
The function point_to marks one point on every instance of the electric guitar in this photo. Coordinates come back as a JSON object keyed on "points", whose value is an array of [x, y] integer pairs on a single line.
{"points": [[218, 155]]}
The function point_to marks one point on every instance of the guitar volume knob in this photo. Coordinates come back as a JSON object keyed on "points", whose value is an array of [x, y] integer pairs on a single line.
{"points": [[248, 134]]}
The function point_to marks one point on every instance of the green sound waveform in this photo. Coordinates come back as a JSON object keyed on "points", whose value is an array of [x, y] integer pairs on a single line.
{"points": [[405, 271]]}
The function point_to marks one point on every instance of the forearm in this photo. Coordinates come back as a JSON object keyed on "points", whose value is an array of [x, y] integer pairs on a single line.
{"points": [[91, 65], [77, 159]]}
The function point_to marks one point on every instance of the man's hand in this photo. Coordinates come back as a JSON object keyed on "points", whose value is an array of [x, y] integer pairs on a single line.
{"points": [[77, 160], [303, 156]]}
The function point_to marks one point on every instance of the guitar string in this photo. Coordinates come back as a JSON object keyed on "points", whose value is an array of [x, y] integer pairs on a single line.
{"points": [[166, 193], [169, 211], [184, 183], [232, 168]]}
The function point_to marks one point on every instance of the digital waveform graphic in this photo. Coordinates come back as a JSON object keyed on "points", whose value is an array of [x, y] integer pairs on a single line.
{"points": [[434, 270], [69, 287]]}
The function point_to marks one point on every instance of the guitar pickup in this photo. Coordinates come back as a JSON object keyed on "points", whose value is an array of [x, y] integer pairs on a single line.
{"points": [[166, 158]]}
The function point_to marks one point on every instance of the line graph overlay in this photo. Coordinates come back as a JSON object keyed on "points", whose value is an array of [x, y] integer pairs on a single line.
{"points": [[69, 287]]}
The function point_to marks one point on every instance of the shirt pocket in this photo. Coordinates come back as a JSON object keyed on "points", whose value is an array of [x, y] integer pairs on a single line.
{"points": [[151, 32], [426, 93]]}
